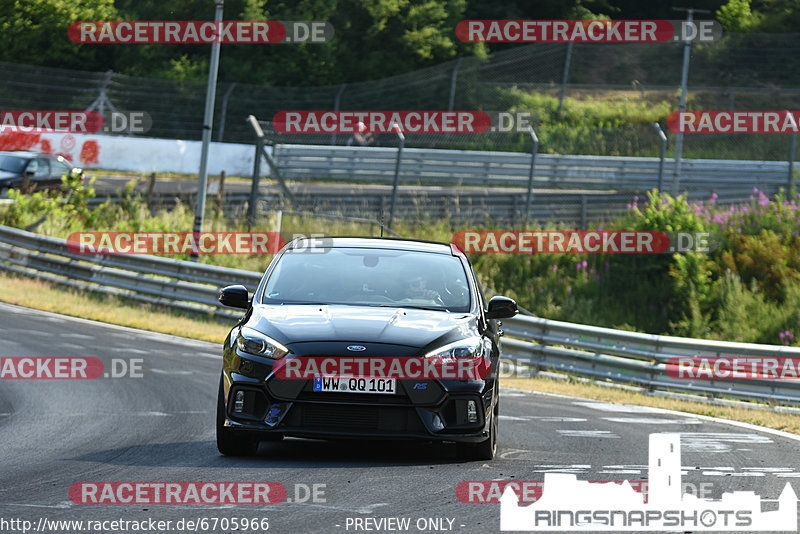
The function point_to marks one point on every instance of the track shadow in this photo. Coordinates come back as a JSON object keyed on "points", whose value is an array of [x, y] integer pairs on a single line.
{"points": [[289, 453]]}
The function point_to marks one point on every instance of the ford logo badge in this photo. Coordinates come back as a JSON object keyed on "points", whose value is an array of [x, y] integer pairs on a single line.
{"points": [[356, 348]]}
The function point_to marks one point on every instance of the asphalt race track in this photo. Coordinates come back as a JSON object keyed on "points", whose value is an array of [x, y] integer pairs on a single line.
{"points": [[160, 427]]}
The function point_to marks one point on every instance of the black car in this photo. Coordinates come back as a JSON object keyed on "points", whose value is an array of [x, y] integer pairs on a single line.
{"points": [[31, 171], [362, 301]]}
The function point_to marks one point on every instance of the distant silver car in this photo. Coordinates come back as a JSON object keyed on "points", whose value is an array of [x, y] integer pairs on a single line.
{"points": [[33, 171]]}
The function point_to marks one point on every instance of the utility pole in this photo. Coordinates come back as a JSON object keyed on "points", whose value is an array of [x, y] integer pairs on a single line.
{"points": [[687, 48], [208, 122]]}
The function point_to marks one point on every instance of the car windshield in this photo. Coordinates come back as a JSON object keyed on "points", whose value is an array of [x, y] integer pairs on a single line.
{"points": [[12, 163], [369, 277]]}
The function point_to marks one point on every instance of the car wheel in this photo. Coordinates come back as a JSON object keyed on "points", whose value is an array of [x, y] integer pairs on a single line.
{"points": [[229, 441], [486, 449]]}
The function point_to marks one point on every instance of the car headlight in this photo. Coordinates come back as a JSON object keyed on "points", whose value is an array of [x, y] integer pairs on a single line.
{"points": [[471, 347], [254, 342]]}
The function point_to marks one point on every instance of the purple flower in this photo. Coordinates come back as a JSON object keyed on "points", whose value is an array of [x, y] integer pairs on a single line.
{"points": [[541, 290], [555, 268], [584, 264], [569, 289]]}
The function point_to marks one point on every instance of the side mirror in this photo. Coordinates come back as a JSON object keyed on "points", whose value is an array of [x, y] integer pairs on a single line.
{"points": [[501, 308], [234, 296]]}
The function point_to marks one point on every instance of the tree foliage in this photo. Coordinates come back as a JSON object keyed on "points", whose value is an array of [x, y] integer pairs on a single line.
{"points": [[373, 38]]}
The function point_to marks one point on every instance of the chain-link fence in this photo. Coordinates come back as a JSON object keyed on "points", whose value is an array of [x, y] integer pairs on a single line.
{"points": [[743, 72]]}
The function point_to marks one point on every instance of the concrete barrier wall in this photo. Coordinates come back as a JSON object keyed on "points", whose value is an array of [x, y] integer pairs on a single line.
{"points": [[137, 154]]}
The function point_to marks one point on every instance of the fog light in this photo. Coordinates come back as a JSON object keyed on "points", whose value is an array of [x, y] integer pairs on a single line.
{"points": [[472, 411], [437, 423], [238, 404], [245, 366]]}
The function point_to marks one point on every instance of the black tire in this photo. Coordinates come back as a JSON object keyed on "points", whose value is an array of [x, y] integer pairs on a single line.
{"points": [[229, 441], [486, 449]]}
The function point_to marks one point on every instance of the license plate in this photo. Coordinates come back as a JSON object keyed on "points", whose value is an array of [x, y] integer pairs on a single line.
{"points": [[355, 384]]}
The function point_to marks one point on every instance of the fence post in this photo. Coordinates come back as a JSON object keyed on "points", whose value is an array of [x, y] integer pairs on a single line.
{"points": [[336, 107], [791, 186], [662, 136], [564, 78], [453, 85], [584, 222], [150, 188], [251, 206], [224, 111], [401, 142], [219, 193], [534, 150]]}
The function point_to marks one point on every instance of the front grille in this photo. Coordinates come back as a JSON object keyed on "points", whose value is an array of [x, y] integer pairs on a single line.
{"points": [[355, 417], [349, 418]]}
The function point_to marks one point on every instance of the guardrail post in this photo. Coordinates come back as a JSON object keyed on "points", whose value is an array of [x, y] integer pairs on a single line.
{"points": [[534, 150], [663, 137], [401, 142]]}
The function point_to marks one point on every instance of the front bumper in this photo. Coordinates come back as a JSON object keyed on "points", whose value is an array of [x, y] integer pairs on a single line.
{"points": [[437, 412]]}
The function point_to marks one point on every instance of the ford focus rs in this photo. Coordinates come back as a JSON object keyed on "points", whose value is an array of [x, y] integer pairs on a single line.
{"points": [[363, 338]]}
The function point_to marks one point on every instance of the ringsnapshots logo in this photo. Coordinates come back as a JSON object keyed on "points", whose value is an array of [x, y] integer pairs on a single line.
{"points": [[570, 505]]}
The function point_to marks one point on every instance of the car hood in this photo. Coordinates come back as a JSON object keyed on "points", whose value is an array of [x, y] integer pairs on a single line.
{"points": [[5, 174], [397, 326]]}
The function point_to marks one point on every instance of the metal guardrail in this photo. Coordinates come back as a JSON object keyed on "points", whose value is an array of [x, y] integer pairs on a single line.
{"points": [[489, 168], [640, 359], [594, 352], [180, 284]]}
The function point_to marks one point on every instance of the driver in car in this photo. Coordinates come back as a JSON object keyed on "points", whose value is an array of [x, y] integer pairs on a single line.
{"points": [[417, 288]]}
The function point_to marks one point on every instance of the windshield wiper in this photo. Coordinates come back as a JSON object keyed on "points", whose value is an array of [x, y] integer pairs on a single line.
{"points": [[429, 308]]}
